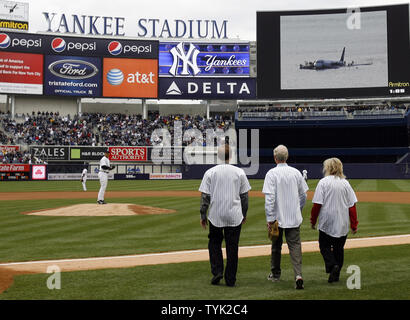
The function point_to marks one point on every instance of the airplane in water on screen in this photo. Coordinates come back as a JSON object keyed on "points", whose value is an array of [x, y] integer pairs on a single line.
{"points": [[331, 64]]}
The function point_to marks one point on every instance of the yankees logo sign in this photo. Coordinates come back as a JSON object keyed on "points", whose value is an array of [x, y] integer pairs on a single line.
{"points": [[204, 60], [188, 59]]}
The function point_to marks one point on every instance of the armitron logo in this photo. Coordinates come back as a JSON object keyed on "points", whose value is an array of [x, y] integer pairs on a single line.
{"points": [[73, 69], [115, 48], [58, 45], [4, 41]]}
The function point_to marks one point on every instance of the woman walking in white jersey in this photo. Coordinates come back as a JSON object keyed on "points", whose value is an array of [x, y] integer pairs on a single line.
{"points": [[334, 202]]}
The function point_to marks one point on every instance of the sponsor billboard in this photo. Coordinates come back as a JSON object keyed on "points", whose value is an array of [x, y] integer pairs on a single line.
{"points": [[49, 152], [21, 73], [22, 42], [39, 172], [86, 153], [7, 148], [13, 25], [72, 76], [187, 59], [130, 78], [207, 88], [78, 46], [12, 10], [14, 167], [128, 153], [165, 176]]}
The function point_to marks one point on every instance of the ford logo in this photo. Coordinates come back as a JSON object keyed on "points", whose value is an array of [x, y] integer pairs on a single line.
{"points": [[73, 69]]}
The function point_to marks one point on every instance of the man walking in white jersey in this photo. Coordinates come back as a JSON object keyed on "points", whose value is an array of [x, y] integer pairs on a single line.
{"points": [[105, 168], [285, 195], [225, 192]]}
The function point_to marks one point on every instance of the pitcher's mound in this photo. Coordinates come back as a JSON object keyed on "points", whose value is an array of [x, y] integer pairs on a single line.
{"points": [[100, 210]]}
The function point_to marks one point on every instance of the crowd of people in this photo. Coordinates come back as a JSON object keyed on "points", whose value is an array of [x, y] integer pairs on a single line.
{"points": [[99, 129], [279, 112]]}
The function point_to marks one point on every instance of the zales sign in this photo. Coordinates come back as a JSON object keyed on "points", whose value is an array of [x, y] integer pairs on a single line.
{"points": [[204, 60]]}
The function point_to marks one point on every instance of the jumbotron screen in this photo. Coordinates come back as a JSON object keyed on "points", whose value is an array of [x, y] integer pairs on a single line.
{"points": [[336, 53]]}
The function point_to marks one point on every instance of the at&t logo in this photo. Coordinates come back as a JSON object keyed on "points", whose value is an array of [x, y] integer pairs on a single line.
{"points": [[115, 77]]}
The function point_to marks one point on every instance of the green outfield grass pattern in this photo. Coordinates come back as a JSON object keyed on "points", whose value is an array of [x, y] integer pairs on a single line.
{"points": [[383, 276], [26, 238]]}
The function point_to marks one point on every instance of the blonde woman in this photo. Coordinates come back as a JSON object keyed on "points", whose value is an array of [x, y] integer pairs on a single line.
{"points": [[334, 202]]}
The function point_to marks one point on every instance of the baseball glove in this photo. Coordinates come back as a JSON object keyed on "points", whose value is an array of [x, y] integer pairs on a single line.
{"points": [[273, 233]]}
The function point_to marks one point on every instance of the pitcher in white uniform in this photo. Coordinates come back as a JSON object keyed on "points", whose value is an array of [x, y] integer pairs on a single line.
{"points": [[105, 168]]}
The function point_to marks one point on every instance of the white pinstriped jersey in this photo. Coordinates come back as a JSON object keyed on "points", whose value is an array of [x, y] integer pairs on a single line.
{"points": [[104, 162], [224, 183], [336, 197], [285, 194]]}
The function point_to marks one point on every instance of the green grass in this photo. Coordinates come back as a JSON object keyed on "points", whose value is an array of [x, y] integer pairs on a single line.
{"points": [[147, 185], [384, 276], [25, 237]]}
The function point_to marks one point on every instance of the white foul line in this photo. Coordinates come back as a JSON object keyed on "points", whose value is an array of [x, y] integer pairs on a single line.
{"points": [[180, 252]]}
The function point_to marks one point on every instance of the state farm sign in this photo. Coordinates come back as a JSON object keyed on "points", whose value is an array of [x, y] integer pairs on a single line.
{"points": [[14, 167], [128, 153]]}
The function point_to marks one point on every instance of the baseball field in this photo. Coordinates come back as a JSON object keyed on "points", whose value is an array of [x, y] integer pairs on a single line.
{"points": [[147, 243]]}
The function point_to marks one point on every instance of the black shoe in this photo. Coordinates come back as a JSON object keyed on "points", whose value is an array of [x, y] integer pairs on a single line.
{"points": [[334, 274], [101, 202], [215, 280], [299, 284]]}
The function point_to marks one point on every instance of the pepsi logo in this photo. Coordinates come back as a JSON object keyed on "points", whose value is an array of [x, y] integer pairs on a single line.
{"points": [[58, 44], [115, 77], [115, 48], [4, 41]]}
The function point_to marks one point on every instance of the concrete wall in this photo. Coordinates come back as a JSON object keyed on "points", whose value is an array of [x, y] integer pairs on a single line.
{"points": [[28, 104]]}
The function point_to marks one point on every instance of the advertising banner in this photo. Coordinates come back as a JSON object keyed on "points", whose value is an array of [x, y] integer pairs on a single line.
{"points": [[14, 167], [6, 149], [72, 76], [39, 172], [128, 153], [165, 176], [132, 78], [78, 46], [21, 73], [76, 176], [86, 153], [50, 152], [207, 88], [22, 42], [204, 59]]}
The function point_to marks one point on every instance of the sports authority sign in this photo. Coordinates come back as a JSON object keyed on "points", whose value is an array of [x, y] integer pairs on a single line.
{"points": [[207, 88], [128, 153], [190, 59]]}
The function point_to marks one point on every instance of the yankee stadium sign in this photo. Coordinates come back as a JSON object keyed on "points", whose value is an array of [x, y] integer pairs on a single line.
{"points": [[144, 27]]}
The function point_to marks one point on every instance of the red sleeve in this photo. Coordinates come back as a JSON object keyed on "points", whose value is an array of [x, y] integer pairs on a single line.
{"points": [[315, 213], [353, 217]]}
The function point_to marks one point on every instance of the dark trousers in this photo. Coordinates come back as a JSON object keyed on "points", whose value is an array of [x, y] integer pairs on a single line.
{"points": [[332, 250], [292, 236], [216, 236]]}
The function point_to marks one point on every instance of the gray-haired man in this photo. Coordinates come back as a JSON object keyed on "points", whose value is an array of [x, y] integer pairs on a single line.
{"points": [[285, 195]]}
